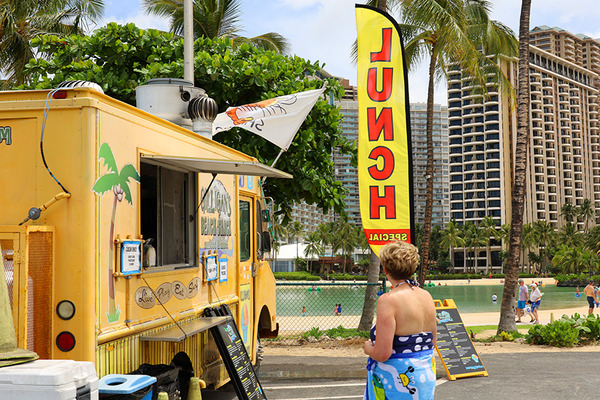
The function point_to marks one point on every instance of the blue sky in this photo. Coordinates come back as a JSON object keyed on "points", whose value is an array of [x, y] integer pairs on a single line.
{"points": [[324, 30]]}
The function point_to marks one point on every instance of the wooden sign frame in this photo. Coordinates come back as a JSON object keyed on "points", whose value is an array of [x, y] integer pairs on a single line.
{"points": [[454, 345], [234, 355]]}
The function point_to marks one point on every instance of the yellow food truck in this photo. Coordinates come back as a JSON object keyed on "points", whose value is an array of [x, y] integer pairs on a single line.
{"points": [[118, 228]]}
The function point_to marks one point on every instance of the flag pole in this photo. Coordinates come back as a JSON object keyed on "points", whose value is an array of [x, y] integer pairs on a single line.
{"points": [[273, 164]]}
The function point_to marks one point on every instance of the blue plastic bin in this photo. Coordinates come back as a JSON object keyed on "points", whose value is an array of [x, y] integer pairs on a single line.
{"points": [[118, 384]]}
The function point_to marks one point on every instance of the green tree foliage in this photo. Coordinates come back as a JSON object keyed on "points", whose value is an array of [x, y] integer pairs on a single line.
{"points": [[215, 19], [452, 237], [23, 20], [119, 58]]}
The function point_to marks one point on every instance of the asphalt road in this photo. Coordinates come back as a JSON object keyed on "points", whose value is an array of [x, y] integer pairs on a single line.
{"points": [[548, 375]]}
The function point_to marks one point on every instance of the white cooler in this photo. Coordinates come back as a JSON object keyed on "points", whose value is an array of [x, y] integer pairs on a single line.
{"points": [[49, 380]]}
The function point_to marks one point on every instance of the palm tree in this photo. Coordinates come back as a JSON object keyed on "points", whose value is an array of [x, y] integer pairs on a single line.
{"points": [[567, 258], [592, 239], [586, 212], [475, 238], [313, 246], [568, 211], [118, 182], [451, 238], [450, 32], [214, 19], [345, 239], [527, 241], [294, 230], [570, 236], [279, 230], [507, 315], [545, 235], [488, 224], [467, 232], [589, 260], [504, 235], [23, 20]]}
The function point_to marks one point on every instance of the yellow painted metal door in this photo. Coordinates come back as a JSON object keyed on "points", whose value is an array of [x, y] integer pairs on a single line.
{"points": [[247, 257]]}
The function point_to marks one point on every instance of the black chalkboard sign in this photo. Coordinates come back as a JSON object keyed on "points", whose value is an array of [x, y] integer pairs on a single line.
{"points": [[235, 357], [454, 346]]}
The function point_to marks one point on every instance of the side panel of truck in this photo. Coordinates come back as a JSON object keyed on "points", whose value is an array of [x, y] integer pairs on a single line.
{"points": [[115, 199]]}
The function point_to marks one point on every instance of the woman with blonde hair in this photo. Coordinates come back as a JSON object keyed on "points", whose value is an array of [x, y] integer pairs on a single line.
{"points": [[401, 362]]}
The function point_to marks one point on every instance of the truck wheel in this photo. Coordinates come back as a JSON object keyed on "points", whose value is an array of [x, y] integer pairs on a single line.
{"points": [[259, 354]]}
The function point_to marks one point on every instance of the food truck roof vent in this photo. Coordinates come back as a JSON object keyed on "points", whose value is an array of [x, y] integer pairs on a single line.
{"points": [[76, 84], [203, 111], [171, 99]]}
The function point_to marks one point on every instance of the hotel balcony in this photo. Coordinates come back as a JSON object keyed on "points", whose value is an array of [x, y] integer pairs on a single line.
{"points": [[547, 94]]}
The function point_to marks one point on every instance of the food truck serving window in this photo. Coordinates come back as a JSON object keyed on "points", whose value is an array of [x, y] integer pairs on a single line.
{"points": [[168, 197]]}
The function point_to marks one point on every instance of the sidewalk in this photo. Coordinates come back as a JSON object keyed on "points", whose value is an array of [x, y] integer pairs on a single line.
{"points": [[560, 375], [540, 375]]}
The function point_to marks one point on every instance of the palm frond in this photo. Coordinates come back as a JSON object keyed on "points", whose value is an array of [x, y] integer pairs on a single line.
{"points": [[268, 41]]}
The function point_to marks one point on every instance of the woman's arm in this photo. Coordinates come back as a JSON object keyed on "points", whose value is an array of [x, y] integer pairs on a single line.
{"points": [[381, 350]]}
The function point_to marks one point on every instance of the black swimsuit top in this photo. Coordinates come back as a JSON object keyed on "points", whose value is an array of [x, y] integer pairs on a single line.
{"points": [[409, 343]]}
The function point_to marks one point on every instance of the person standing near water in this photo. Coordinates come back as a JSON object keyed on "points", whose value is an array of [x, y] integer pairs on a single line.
{"points": [[494, 298], [402, 341], [522, 300], [536, 299], [591, 295]]}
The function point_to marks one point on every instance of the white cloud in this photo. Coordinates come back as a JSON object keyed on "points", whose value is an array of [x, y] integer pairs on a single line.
{"points": [[141, 20], [300, 4]]}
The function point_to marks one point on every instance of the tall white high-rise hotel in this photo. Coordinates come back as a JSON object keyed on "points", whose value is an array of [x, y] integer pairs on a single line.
{"points": [[563, 151]]}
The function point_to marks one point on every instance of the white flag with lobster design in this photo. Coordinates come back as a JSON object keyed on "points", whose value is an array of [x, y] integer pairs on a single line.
{"points": [[277, 120]]}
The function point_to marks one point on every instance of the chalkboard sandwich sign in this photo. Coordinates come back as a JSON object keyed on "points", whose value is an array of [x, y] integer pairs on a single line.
{"points": [[235, 357], [454, 346]]}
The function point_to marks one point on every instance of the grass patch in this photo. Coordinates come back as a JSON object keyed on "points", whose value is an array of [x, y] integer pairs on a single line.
{"points": [[480, 328], [502, 337], [341, 332]]}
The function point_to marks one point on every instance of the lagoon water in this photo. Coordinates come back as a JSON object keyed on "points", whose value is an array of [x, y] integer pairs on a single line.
{"points": [[478, 298], [468, 298]]}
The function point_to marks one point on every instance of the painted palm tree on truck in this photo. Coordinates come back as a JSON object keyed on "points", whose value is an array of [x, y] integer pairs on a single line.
{"points": [[118, 182]]}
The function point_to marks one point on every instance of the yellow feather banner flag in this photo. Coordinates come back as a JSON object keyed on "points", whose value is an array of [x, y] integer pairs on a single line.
{"points": [[384, 149]]}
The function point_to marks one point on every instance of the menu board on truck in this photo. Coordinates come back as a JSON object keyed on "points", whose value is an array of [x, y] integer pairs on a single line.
{"points": [[235, 357], [454, 346]]}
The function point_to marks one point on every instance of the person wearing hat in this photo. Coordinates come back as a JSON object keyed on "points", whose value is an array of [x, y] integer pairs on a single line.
{"points": [[522, 299], [536, 298], [591, 295]]}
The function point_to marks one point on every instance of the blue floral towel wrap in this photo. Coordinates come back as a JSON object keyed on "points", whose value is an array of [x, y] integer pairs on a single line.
{"points": [[408, 374]]}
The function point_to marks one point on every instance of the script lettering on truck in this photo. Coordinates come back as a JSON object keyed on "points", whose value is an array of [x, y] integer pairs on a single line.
{"points": [[216, 220], [384, 164]]}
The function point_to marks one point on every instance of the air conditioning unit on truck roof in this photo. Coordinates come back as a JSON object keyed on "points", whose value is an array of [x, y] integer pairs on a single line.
{"points": [[178, 101]]}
